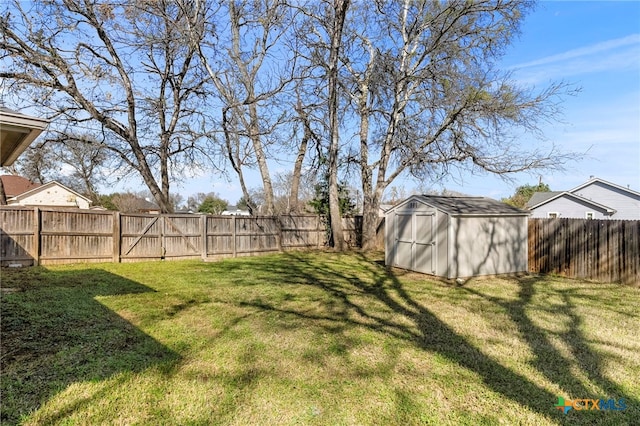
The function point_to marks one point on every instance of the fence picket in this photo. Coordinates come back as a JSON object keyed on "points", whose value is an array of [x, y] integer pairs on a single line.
{"points": [[602, 250]]}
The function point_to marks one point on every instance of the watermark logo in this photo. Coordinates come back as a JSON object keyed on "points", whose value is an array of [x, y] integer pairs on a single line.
{"points": [[584, 404]]}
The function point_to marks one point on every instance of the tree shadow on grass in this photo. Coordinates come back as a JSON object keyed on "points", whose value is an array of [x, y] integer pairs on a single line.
{"points": [[431, 334], [54, 333], [550, 361]]}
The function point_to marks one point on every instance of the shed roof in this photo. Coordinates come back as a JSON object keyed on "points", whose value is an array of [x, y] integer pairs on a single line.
{"points": [[472, 206]]}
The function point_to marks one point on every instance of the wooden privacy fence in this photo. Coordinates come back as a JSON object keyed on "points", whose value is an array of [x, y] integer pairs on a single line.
{"points": [[602, 250], [50, 236]]}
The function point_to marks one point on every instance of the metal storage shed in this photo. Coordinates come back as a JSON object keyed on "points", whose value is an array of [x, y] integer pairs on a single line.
{"points": [[456, 237]]}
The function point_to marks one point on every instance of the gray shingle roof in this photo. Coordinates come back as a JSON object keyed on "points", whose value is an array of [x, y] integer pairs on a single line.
{"points": [[471, 205], [541, 197]]}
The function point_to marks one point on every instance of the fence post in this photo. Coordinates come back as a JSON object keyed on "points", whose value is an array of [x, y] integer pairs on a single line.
{"points": [[163, 250], [278, 232], [36, 236], [233, 232], [116, 237], [203, 226]]}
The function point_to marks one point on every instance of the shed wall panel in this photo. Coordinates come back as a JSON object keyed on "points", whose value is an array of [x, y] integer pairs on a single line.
{"points": [[488, 246], [442, 237]]}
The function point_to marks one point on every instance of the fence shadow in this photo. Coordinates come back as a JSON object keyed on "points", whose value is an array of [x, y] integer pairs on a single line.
{"points": [[54, 333], [429, 333]]}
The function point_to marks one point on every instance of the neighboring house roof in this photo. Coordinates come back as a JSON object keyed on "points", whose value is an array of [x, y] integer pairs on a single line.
{"points": [[46, 186], [146, 205], [17, 131], [16, 185], [602, 181], [541, 197], [471, 206], [555, 195], [235, 211], [143, 205]]}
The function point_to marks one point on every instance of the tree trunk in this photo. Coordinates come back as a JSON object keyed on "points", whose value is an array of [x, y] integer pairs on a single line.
{"points": [[3, 195], [235, 162], [261, 159], [371, 219], [370, 201], [297, 175], [335, 218], [297, 168]]}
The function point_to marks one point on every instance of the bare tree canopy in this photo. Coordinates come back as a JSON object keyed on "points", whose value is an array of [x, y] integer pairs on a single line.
{"points": [[251, 71], [380, 89], [77, 161], [124, 70], [423, 82]]}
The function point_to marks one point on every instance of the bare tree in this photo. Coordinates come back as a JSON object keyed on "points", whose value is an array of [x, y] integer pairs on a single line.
{"points": [[429, 98], [321, 46], [37, 163], [251, 72], [308, 131], [336, 27], [75, 160], [124, 70], [293, 192]]}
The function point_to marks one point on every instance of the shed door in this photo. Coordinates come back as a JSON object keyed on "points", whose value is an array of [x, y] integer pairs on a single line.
{"points": [[404, 240], [424, 243], [415, 241]]}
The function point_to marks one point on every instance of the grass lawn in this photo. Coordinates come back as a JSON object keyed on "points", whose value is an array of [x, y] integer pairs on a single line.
{"points": [[311, 338]]}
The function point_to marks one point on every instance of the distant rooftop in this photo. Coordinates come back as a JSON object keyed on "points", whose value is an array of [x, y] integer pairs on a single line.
{"points": [[16, 185], [541, 197]]}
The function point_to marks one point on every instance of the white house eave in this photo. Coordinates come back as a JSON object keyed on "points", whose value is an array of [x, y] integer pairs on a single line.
{"points": [[17, 132]]}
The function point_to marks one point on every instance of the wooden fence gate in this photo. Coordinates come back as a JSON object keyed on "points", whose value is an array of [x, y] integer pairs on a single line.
{"points": [[159, 236]]}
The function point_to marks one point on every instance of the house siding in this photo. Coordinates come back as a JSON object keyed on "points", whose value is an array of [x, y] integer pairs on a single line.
{"points": [[51, 196], [626, 204], [569, 208]]}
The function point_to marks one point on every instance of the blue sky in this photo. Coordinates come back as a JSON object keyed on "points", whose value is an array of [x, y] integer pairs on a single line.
{"points": [[591, 45], [595, 46]]}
